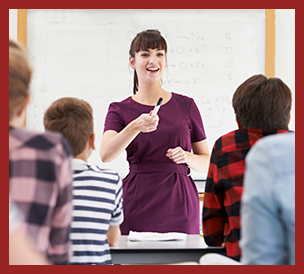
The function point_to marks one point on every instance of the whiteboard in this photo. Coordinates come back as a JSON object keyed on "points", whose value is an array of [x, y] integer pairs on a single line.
{"points": [[84, 54]]}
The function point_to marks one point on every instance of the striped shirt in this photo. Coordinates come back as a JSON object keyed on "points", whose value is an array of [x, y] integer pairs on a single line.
{"points": [[97, 201]]}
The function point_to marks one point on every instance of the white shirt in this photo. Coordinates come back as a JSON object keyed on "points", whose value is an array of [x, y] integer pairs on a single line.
{"points": [[268, 202]]}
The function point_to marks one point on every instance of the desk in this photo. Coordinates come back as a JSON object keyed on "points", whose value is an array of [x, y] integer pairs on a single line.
{"points": [[167, 252]]}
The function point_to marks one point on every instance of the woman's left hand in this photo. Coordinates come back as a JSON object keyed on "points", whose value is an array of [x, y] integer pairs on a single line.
{"points": [[177, 155]]}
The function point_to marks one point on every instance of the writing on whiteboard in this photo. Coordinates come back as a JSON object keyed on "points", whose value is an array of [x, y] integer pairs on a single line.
{"points": [[84, 54]]}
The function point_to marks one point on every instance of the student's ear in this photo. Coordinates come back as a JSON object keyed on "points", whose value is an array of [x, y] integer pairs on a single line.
{"points": [[92, 141], [132, 62]]}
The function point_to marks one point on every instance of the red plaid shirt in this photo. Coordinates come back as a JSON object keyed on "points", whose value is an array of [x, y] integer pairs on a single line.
{"points": [[224, 188]]}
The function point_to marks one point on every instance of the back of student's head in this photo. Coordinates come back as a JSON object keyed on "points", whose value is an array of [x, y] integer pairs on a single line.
{"points": [[20, 72], [262, 103], [73, 118]]}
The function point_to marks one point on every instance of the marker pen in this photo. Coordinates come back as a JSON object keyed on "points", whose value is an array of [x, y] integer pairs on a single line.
{"points": [[156, 108]]}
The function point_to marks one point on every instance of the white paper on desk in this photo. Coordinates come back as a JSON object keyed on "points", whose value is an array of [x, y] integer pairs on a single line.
{"points": [[154, 236]]}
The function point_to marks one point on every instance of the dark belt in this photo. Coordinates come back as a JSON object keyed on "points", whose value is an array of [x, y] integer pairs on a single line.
{"points": [[160, 168]]}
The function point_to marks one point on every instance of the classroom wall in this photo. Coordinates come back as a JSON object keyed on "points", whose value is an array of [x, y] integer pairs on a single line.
{"points": [[285, 52], [13, 23]]}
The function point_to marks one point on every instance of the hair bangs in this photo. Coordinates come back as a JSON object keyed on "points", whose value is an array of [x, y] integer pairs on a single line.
{"points": [[150, 39], [152, 42]]}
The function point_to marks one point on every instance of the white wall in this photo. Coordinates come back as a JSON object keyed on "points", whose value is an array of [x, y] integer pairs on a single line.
{"points": [[13, 24], [284, 52]]}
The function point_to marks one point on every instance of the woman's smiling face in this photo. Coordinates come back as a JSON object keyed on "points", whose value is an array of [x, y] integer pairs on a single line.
{"points": [[149, 64]]}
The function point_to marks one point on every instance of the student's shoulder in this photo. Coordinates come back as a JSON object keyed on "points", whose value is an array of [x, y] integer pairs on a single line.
{"points": [[227, 137], [278, 140], [40, 140], [269, 145], [108, 175], [241, 135]]}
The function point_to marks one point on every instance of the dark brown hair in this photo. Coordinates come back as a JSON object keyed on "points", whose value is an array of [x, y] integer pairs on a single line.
{"points": [[73, 118], [261, 103], [148, 39], [20, 73]]}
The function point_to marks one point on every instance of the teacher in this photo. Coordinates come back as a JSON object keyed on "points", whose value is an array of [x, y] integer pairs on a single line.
{"points": [[159, 194]]}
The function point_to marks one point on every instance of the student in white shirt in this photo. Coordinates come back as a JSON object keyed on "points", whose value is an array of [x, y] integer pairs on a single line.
{"points": [[268, 202]]}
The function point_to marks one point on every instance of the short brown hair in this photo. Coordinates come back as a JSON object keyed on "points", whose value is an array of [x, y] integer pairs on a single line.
{"points": [[20, 73], [262, 103], [73, 118]]}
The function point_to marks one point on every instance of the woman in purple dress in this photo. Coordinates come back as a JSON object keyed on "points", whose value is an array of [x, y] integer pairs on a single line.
{"points": [[158, 193]]}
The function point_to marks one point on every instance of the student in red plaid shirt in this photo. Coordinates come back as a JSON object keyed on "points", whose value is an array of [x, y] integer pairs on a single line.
{"points": [[40, 173], [262, 107]]}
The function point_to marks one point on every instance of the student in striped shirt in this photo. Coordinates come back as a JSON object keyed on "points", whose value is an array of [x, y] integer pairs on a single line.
{"points": [[97, 193]]}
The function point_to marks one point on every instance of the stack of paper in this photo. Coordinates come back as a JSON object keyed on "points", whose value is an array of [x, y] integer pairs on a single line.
{"points": [[154, 236]]}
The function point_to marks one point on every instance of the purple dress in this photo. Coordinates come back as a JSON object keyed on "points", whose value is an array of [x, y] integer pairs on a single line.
{"points": [[159, 195]]}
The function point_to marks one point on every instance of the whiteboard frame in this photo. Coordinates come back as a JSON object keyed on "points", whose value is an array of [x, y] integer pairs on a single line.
{"points": [[269, 38]]}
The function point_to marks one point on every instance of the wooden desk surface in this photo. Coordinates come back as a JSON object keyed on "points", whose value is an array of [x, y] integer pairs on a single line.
{"points": [[165, 252]]}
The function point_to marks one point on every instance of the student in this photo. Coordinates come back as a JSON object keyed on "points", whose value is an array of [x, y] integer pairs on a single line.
{"points": [[97, 193], [159, 194], [268, 202], [21, 249], [262, 107], [40, 179]]}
